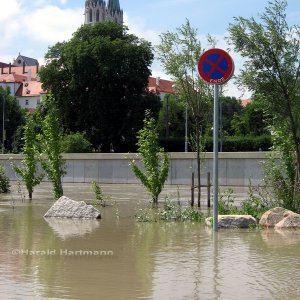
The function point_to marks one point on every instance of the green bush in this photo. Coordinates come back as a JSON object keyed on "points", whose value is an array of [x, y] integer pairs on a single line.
{"points": [[76, 143], [242, 143], [170, 212], [4, 181]]}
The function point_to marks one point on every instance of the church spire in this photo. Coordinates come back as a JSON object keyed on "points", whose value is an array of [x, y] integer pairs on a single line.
{"points": [[114, 5], [97, 11]]}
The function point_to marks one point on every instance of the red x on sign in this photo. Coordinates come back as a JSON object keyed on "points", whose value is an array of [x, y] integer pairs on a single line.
{"points": [[215, 66]]}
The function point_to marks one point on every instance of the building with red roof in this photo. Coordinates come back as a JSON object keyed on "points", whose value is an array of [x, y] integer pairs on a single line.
{"points": [[23, 82], [161, 87]]}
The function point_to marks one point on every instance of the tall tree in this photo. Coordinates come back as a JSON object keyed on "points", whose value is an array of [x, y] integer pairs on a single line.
{"points": [[28, 170], [272, 51], [51, 145], [179, 53], [99, 79]]}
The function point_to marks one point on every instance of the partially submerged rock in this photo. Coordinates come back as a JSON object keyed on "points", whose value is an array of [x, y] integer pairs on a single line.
{"points": [[233, 221], [275, 215], [67, 208], [291, 221]]}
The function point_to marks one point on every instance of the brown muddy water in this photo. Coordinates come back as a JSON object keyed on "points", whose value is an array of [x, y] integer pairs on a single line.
{"points": [[118, 258]]}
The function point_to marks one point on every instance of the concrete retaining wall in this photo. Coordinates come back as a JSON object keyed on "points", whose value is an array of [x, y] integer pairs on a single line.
{"points": [[235, 168]]}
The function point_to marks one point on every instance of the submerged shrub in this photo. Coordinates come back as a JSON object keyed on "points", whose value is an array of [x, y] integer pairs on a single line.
{"points": [[169, 212], [4, 181]]}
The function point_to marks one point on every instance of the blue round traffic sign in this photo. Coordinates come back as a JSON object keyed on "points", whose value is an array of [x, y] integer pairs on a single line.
{"points": [[215, 66]]}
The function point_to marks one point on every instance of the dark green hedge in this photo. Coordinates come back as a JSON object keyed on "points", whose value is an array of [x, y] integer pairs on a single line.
{"points": [[230, 144]]}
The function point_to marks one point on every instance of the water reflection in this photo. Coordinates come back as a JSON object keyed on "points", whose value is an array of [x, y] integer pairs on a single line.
{"points": [[69, 228], [149, 261]]}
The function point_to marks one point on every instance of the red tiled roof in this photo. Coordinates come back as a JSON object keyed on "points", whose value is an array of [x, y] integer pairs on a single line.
{"points": [[244, 102], [19, 71], [30, 89], [10, 78], [163, 86]]}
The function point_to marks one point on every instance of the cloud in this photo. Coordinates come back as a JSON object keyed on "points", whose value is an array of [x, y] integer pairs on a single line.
{"points": [[138, 27], [52, 24], [9, 25]]}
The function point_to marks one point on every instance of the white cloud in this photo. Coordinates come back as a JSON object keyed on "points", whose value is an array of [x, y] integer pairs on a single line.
{"points": [[9, 10], [9, 14], [138, 27], [52, 24]]}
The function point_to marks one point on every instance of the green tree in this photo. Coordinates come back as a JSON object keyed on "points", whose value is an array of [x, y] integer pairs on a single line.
{"points": [[51, 145], [154, 159], [28, 169], [4, 181], [179, 53], [76, 143], [14, 119], [271, 48], [230, 106], [171, 120], [99, 79], [250, 121]]}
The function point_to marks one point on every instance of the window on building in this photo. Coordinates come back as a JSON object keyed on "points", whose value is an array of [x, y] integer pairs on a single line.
{"points": [[27, 102], [38, 102], [91, 16], [97, 16]]}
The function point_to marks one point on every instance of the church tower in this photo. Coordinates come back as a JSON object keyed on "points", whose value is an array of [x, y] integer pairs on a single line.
{"points": [[97, 11]]}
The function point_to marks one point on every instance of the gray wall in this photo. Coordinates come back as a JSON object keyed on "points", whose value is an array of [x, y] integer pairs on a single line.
{"points": [[235, 168]]}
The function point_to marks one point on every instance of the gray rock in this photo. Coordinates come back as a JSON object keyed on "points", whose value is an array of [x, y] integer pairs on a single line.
{"points": [[273, 216], [290, 221], [233, 221], [67, 208]]}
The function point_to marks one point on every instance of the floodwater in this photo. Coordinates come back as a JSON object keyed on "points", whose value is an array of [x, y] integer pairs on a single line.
{"points": [[118, 258]]}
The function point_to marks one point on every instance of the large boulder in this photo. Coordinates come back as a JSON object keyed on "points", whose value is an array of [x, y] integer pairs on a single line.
{"points": [[273, 216], [67, 208], [291, 221], [233, 221]]}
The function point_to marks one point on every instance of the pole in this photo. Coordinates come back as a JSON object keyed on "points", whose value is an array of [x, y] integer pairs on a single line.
{"points": [[186, 130], [221, 126], [3, 129], [216, 156]]}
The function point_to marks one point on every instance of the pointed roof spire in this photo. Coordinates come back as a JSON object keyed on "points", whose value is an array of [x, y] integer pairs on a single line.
{"points": [[114, 5]]}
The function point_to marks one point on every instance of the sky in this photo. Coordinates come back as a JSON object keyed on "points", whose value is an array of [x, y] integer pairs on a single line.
{"points": [[29, 27]]}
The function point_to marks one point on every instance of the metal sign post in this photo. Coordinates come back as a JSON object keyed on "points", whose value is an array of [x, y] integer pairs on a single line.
{"points": [[216, 156], [216, 67]]}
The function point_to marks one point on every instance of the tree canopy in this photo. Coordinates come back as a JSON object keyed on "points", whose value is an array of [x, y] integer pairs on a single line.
{"points": [[99, 79], [272, 51], [14, 118]]}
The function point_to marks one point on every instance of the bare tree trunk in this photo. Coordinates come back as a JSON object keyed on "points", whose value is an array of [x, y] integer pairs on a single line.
{"points": [[298, 163]]}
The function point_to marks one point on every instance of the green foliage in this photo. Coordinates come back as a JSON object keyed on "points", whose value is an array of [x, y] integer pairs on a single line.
{"points": [[230, 106], [179, 52], [281, 173], [170, 212], [250, 121], [99, 195], [226, 203], [51, 145], [171, 118], [254, 205], [242, 143], [4, 181], [14, 120], [154, 159], [28, 169], [110, 111], [76, 143], [272, 66]]}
